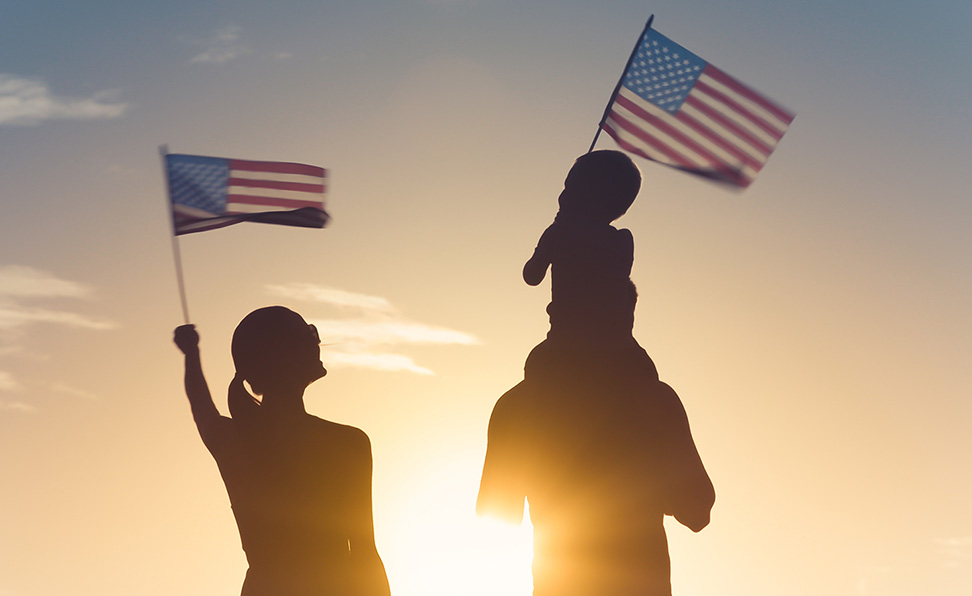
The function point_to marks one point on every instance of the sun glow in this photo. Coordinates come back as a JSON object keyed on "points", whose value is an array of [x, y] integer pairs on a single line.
{"points": [[441, 548]]}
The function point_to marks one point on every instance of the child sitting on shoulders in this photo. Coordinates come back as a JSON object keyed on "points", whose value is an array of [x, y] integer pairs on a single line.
{"points": [[592, 297]]}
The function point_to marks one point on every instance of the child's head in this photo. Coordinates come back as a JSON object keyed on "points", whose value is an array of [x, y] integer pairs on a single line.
{"points": [[601, 185]]}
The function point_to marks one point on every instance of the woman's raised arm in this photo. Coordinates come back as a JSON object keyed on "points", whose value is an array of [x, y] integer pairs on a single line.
{"points": [[204, 412]]}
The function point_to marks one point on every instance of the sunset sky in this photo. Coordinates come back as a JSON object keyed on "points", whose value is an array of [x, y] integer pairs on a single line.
{"points": [[817, 326]]}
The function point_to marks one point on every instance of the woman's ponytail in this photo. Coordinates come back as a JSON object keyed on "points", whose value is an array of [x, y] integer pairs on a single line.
{"points": [[242, 405]]}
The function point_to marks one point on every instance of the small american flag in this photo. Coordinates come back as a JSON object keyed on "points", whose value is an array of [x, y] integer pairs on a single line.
{"points": [[675, 108], [212, 192]]}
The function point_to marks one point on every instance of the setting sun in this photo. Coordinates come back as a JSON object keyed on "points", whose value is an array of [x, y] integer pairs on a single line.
{"points": [[442, 548]]}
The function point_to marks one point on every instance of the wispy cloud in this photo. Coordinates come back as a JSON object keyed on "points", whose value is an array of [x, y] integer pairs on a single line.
{"points": [[15, 315], [7, 382], [73, 391], [18, 283], [17, 406], [373, 360], [954, 552], [222, 47], [20, 289], [10, 385], [25, 102], [332, 296], [366, 338], [390, 331]]}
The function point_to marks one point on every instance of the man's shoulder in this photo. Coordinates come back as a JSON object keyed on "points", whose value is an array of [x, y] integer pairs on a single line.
{"points": [[513, 402], [522, 407]]}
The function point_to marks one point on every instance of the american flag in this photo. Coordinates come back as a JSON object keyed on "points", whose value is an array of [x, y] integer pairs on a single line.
{"points": [[675, 108], [213, 192]]}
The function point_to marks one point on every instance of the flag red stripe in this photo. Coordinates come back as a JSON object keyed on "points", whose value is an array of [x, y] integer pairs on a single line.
{"points": [[659, 123], [276, 167], [739, 109], [297, 186], [186, 227], [724, 174], [719, 140], [740, 132], [624, 144], [271, 202], [748, 93], [646, 138]]}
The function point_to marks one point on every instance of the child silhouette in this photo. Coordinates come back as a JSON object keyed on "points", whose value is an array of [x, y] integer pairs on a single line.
{"points": [[592, 297], [299, 486]]}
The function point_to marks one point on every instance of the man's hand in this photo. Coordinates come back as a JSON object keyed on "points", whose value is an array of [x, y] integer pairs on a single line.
{"points": [[187, 339]]}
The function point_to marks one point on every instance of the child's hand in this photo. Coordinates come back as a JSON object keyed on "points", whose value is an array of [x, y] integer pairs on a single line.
{"points": [[187, 339], [535, 270]]}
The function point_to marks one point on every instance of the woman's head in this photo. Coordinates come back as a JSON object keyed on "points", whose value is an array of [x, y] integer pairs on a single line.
{"points": [[274, 349]]}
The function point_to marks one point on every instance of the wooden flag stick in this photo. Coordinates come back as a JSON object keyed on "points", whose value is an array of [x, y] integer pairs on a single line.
{"points": [[617, 87], [163, 151]]}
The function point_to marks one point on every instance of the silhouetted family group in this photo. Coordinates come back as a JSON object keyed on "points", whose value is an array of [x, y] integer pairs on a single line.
{"points": [[597, 444]]}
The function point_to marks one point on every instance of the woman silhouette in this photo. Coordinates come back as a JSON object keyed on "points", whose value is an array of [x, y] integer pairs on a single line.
{"points": [[299, 486]]}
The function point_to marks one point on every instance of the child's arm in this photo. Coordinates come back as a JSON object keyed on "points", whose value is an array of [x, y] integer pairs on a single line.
{"points": [[625, 248], [204, 412], [536, 268]]}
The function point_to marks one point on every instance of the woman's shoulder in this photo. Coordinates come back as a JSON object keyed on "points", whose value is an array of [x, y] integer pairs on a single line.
{"points": [[346, 433]]}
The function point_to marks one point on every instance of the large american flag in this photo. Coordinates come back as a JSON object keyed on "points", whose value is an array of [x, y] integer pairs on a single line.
{"points": [[213, 192], [675, 108]]}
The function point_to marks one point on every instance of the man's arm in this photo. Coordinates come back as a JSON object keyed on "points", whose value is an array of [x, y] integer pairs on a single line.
{"points": [[502, 488], [368, 570], [204, 412], [689, 490]]}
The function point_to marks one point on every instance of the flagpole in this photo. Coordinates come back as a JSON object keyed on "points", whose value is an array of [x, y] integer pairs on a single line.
{"points": [[620, 81], [163, 151]]}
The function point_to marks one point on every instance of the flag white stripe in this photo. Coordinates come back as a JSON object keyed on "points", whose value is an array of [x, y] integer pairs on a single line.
{"points": [[275, 177], [623, 135], [188, 211], [719, 158], [737, 118], [206, 224], [276, 193], [771, 119], [727, 135], [686, 152], [248, 208], [627, 137], [703, 139], [649, 149]]}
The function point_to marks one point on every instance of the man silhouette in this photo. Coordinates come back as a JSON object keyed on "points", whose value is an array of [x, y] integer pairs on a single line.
{"points": [[593, 440], [601, 464]]}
